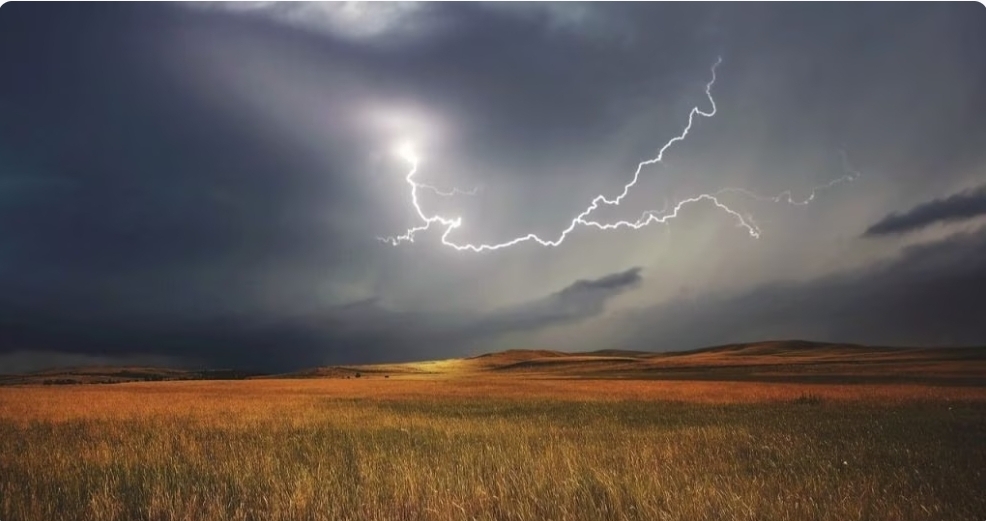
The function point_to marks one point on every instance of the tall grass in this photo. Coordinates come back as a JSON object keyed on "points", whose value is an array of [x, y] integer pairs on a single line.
{"points": [[496, 459]]}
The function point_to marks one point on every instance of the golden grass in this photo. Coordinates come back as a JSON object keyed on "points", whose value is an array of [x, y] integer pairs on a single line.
{"points": [[245, 397], [492, 449]]}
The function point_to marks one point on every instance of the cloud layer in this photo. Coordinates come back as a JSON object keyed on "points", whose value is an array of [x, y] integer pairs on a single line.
{"points": [[361, 332], [928, 295], [205, 184], [961, 206]]}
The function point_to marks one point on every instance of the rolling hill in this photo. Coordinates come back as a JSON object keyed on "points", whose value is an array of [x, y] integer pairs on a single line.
{"points": [[793, 360], [770, 361], [109, 375]]}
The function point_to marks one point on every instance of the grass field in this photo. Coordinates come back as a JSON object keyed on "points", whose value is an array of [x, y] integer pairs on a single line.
{"points": [[491, 448]]}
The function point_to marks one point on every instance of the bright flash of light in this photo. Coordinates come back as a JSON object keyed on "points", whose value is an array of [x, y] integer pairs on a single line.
{"points": [[406, 151], [582, 219]]}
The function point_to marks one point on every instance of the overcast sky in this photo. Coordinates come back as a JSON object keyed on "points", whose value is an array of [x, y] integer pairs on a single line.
{"points": [[205, 185]]}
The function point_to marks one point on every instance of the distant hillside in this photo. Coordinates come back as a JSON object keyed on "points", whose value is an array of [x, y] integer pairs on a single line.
{"points": [[771, 361], [783, 360], [109, 375]]}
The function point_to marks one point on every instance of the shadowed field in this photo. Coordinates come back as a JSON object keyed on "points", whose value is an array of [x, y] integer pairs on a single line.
{"points": [[486, 438]]}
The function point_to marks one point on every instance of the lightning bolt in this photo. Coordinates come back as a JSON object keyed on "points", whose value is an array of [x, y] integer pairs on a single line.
{"points": [[449, 193], [582, 219], [786, 196]]}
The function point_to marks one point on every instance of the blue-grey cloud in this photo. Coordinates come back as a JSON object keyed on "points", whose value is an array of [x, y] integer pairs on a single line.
{"points": [[929, 295], [966, 204], [357, 332], [208, 185], [578, 301]]}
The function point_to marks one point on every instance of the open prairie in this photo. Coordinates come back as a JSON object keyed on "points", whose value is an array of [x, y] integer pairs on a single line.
{"points": [[516, 435]]}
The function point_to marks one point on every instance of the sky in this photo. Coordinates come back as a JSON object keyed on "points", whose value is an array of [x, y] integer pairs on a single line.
{"points": [[206, 185]]}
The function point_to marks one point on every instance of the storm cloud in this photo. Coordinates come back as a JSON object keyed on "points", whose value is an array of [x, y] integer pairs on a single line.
{"points": [[205, 185], [928, 295], [961, 206], [582, 299], [357, 332]]}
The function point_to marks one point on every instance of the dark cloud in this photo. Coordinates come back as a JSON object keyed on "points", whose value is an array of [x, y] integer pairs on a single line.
{"points": [[357, 332], [581, 300], [931, 295], [145, 194], [207, 186], [963, 205]]}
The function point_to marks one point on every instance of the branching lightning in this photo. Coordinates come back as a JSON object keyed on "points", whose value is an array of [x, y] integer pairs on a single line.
{"points": [[407, 153], [448, 193], [582, 219], [787, 197]]}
